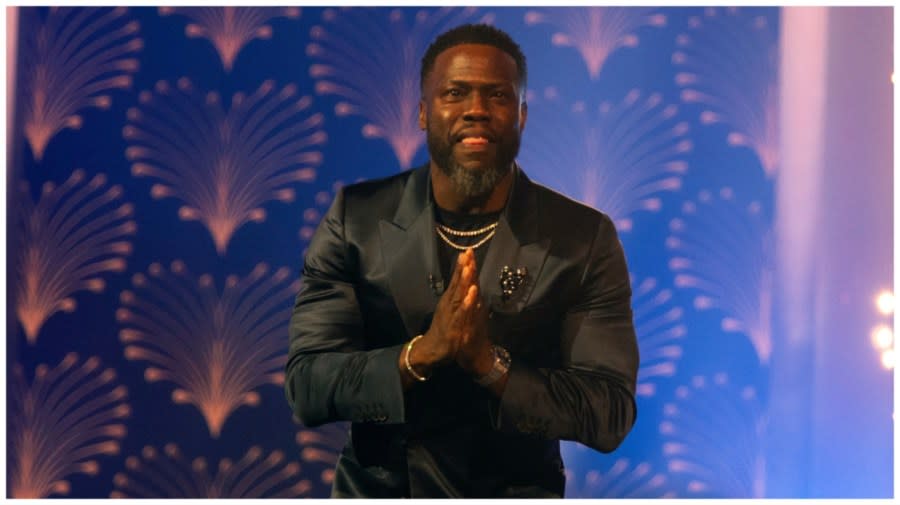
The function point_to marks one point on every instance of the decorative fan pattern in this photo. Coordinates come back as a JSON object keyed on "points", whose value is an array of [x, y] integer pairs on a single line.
{"points": [[181, 147]]}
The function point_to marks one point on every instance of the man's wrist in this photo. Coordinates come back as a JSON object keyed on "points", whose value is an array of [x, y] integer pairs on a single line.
{"points": [[484, 363], [422, 356], [407, 362], [499, 367]]}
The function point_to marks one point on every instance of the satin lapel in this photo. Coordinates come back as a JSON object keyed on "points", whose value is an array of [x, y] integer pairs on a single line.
{"points": [[410, 254], [516, 244]]}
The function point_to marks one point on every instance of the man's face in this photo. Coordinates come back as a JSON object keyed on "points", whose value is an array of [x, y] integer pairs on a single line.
{"points": [[474, 116]]}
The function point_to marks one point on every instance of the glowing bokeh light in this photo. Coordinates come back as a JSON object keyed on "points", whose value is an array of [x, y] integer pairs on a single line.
{"points": [[885, 302], [882, 337], [887, 359]]}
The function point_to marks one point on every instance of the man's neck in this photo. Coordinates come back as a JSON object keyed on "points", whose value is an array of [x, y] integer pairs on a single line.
{"points": [[446, 196]]}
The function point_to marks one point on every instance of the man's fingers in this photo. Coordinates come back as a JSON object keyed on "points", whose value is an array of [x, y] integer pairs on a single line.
{"points": [[469, 255], [459, 293], [471, 296], [470, 259], [465, 316], [452, 293], [454, 278], [464, 276], [466, 279]]}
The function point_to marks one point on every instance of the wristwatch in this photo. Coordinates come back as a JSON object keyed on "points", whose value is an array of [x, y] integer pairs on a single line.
{"points": [[501, 366]]}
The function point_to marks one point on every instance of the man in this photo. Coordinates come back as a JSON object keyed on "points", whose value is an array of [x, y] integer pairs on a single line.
{"points": [[464, 318]]}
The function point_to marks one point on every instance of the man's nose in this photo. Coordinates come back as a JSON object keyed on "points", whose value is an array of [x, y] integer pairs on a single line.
{"points": [[476, 108]]}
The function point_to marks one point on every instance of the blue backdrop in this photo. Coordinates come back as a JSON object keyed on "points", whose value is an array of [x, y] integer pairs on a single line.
{"points": [[170, 166]]}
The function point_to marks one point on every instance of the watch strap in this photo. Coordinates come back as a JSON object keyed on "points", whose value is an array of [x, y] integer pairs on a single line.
{"points": [[502, 361]]}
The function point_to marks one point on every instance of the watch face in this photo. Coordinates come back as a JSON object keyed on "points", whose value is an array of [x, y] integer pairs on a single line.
{"points": [[501, 366]]}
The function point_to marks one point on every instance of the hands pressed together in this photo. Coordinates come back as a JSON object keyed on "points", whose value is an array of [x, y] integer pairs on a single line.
{"points": [[458, 332]]}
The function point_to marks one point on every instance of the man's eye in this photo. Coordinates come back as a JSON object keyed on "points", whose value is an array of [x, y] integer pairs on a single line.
{"points": [[454, 92], [500, 94]]}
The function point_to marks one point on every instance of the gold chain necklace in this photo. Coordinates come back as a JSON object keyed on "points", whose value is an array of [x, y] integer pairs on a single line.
{"points": [[458, 247], [468, 233]]}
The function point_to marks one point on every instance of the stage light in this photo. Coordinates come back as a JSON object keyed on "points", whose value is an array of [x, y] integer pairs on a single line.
{"points": [[885, 302], [887, 359], [882, 337]]}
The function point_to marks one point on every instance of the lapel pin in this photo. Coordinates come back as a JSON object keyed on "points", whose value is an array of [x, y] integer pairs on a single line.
{"points": [[511, 280]]}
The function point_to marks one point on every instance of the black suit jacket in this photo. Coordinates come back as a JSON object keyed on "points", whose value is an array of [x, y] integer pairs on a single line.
{"points": [[371, 281]]}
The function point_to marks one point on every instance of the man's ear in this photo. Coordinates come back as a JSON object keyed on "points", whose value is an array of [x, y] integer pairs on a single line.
{"points": [[422, 121], [523, 115]]}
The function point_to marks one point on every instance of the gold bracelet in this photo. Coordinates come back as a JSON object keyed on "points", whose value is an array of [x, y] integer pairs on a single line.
{"points": [[409, 367]]}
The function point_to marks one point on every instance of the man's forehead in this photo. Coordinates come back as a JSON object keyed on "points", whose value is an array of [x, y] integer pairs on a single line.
{"points": [[481, 61], [459, 53]]}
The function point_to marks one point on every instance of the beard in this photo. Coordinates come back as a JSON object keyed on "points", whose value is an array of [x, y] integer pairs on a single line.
{"points": [[473, 184]]}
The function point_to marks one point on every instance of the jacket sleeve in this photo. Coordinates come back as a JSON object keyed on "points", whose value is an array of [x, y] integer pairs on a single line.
{"points": [[330, 376], [590, 398]]}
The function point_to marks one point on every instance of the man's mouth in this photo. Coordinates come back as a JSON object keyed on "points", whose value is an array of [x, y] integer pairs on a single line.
{"points": [[475, 138], [475, 141]]}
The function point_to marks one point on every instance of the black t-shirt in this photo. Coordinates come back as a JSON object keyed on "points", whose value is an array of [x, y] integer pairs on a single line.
{"points": [[447, 256]]}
